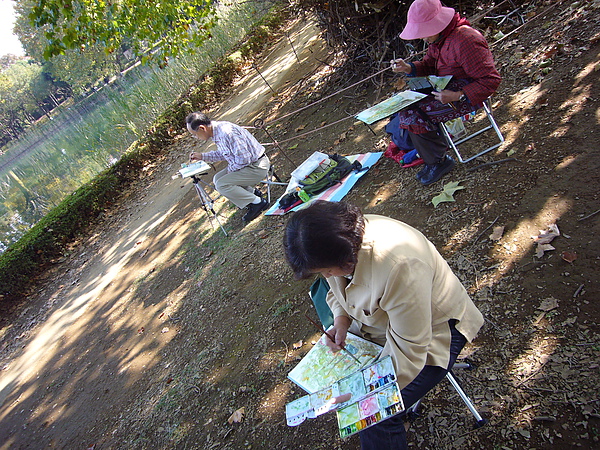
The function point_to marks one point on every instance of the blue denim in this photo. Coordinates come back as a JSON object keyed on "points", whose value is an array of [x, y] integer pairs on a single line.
{"points": [[390, 433]]}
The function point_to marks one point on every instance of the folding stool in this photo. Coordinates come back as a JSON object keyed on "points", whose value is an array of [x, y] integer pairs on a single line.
{"points": [[479, 421], [487, 108], [268, 181]]}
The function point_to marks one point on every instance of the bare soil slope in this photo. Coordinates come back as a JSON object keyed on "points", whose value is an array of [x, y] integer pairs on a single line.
{"points": [[156, 328]]}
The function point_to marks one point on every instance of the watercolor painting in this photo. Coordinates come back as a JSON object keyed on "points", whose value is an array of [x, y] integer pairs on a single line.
{"points": [[388, 107], [320, 367]]}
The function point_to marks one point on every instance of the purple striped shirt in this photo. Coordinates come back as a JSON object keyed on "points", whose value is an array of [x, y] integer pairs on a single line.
{"points": [[234, 144]]}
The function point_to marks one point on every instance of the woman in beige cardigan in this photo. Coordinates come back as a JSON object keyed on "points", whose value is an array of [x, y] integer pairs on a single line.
{"points": [[390, 285]]}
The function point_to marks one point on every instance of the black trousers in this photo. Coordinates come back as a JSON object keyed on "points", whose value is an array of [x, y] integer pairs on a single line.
{"points": [[431, 146], [390, 434]]}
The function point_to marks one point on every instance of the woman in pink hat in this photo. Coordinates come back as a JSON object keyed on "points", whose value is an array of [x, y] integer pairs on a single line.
{"points": [[454, 49]]}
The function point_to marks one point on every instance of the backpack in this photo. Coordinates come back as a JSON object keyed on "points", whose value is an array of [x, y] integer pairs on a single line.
{"points": [[323, 178]]}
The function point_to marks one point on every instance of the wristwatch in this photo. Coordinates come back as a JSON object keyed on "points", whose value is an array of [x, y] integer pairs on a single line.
{"points": [[462, 98]]}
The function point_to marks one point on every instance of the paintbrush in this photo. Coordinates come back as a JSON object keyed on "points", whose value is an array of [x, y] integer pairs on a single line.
{"points": [[332, 338]]}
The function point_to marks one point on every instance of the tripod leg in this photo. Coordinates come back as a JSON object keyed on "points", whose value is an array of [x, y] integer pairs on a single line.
{"points": [[207, 204]]}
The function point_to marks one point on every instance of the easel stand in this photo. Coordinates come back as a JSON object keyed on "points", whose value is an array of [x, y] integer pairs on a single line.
{"points": [[195, 171], [206, 201]]}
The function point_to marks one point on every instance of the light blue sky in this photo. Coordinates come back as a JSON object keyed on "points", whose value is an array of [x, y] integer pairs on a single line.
{"points": [[9, 43]]}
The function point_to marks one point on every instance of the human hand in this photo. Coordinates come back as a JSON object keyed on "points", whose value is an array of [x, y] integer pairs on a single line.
{"points": [[399, 65], [446, 96], [338, 332], [194, 156]]}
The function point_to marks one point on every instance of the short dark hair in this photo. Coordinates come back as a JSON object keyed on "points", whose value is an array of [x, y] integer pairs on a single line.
{"points": [[324, 235], [195, 119]]}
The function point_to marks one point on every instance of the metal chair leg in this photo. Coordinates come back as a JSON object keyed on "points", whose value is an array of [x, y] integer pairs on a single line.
{"points": [[480, 420], [454, 145], [271, 174]]}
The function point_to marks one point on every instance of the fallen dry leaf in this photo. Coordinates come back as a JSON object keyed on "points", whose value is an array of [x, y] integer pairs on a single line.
{"points": [[300, 128], [497, 233], [298, 344], [546, 236], [237, 416], [541, 248], [569, 256], [548, 304], [447, 195]]}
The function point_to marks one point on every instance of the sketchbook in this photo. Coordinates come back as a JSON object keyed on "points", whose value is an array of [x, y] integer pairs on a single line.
{"points": [[419, 88], [321, 367], [427, 84], [388, 107], [361, 399]]}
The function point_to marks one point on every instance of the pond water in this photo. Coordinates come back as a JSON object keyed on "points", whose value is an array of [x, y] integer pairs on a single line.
{"points": [[57, 156]]}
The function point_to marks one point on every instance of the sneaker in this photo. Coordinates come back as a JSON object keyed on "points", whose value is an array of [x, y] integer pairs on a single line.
{"points": [[258, 193], [254, 210], [437, 171], [420, 173]]}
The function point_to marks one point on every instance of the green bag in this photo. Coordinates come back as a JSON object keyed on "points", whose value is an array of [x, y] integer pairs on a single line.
{"points": [[323, 177]]}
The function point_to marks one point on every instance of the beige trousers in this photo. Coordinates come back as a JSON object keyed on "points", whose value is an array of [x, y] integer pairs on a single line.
{"points": [[238, 186]]}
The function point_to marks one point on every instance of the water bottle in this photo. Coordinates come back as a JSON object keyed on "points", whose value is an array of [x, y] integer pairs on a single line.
{"points": [[409, 157], [303, 195]]}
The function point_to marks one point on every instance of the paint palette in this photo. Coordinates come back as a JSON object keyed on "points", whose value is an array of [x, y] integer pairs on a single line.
{"points": [[360, 399], [382, 399], [370, 410]]}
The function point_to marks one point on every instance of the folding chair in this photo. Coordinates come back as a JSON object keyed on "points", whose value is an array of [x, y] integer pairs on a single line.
{"points": [[318, 293], [411, 411], [487, 108]]}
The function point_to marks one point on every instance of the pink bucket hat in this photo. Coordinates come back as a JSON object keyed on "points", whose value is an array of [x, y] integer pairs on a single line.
{"points": [[426, 18]]}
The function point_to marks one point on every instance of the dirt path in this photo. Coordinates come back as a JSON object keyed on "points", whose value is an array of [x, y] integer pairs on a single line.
{"points": [[81, 312], [157, 328]]}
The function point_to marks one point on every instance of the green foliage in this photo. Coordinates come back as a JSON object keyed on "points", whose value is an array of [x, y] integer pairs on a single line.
{"points": [[80, 67], [47, 239], [153, 31], [25, 88]]}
